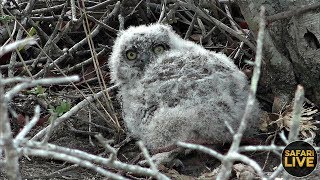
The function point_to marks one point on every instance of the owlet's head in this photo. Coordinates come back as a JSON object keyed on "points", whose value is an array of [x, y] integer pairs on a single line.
{"points": [[135, 48]]}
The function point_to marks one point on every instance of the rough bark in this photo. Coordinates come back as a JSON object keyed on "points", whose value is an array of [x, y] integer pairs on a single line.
{"points": [[292, 49]]}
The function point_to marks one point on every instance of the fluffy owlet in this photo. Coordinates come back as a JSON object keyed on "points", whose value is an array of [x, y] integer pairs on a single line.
{"points": [[173, 90]]}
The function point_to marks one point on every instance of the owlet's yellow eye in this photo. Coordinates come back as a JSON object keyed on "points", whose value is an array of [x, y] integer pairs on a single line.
{"points": [[131, 55], [159, 49]]}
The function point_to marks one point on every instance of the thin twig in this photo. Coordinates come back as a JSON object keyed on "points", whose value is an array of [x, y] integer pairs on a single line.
{"points": [[296, 114], [76, 160], [73, 10], [11, 156], [12, 46], [293, 12], [31, 83], [218, 23], [202, 149], [71, 112], [227, 164], [26, 129], [147, 155], [55, 150]]}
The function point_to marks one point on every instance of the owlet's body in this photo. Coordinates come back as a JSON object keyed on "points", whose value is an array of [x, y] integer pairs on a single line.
{"points": [[175, 90]]}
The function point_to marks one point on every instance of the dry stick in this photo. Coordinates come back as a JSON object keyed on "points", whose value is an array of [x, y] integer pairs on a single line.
{"points": [[121, 22], [27, 10], [11, 66], [134, 9], [143, 11], [61, 171], [232, 22], [48, 39], [54, 63], [172, 11], [297, 112], [71, 112], [26, 129], [202, 28], [73, 11], [218, 23], [187, 12], [89, 157], [7, 33], [101, 81], [233, 157], [102, 24], [235, 26], [212, 30], [230, 19], [240, 47], [79, 44], [15, 45], [49, 44], [49, 18], [149, 160], [283, 137], [227, 165], [163, 10], [204, 149], [7, 29], [90, 127], [75, 160], [67, 28], [296, 117], [280, 167], [105, 129], [271, 147], [113, 152], [11, 156], [31, 83], [5, 129], [14, 80], [46, 138], [19, 64], [221, 30], [290, 13], [102, 4], [56, 174], [83, 63], [47, 9], [54, 40], [189, 31], [42, 35], [276, 172], [109, 109]]}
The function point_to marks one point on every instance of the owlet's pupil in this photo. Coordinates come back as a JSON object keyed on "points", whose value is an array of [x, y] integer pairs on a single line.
{"points": [[158, 49], [131, 55]]}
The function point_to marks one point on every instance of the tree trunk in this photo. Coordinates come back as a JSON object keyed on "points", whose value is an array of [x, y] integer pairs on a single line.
{"points": [[292, 49]]}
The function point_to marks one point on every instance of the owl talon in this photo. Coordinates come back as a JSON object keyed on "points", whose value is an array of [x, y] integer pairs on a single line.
{"points": [[160, 158], [167, 159]]}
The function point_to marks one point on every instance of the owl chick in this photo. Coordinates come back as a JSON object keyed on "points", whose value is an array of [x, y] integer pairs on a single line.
{"points": [[173, 90]]}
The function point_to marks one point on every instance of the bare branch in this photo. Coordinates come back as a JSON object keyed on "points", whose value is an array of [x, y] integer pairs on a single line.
{"points": [[26, 129], [227, 164], [46, 81], [297, 112], [15, 45], [72, 111]]}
